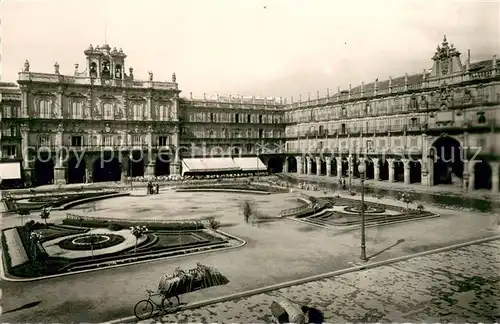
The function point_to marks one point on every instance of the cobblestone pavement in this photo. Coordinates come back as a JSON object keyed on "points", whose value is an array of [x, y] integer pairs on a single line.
{"points": [[462, 285]]}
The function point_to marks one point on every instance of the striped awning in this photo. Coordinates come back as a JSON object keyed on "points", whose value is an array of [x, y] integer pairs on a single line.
{"points": [[209, 165], [250, 164]]}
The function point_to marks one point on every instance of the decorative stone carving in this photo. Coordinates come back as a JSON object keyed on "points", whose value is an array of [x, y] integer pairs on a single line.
{"points": [[26, 66], [174, 78], [150, 75], [107, 128], [444, 97], [467, 96], [25, 128], [56, 68], [60, 127]]}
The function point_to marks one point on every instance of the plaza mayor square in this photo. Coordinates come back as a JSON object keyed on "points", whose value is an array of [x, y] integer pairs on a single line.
{"points": [[175, 162]]}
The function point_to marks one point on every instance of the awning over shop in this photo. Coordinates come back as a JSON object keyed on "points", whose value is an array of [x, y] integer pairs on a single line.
{"points": [[209, 165], [250, 164], [10, 170]]}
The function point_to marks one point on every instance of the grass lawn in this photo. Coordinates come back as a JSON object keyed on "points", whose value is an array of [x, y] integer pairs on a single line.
{"points": [[171, 239]]}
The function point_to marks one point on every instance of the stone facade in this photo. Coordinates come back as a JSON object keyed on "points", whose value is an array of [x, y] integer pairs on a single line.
{"points": [[405, 128]]}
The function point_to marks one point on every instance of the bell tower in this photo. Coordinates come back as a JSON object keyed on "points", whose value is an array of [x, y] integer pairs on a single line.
{"points": [[102, 62]]}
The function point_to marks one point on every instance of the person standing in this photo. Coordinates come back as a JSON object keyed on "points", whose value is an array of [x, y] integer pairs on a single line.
{"points": [[314, 315]]}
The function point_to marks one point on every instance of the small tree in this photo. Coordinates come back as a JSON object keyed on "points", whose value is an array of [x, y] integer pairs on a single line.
{"points": [[420, 208], [138, 231], [407, 197], [378, 197], [45, 214], [213, 224], [35, 238], [93, 239], [247, 211]]}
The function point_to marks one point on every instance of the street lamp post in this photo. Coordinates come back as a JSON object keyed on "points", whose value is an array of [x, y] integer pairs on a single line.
{"points": [[362, 170]]}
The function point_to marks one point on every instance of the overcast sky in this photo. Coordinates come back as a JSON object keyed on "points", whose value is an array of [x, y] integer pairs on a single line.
{"points": [[260, 47]]}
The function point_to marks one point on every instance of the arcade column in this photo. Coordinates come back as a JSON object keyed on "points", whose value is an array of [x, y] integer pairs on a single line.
{"points": [[328, 166], [391, 169], [309, 165], [466, 176], [175, 166], [125, 165], [494, 176], [339, 167], [318, 166], [406, 165], [300, 165], [151, 165], [28, 167], [285, 165], [376, 169], [60, 169], [472, 175]]}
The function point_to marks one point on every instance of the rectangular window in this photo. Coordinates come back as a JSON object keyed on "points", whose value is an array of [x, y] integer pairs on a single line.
{"points": [[9, 151], [137, 113], [261, 133], [236, 118], [260, 119], [211, 117], [136, 140], [7, 111], [249, 118], [76, 110], [249, 148], [108, 140], [76, 141], [44, 108], [163, 140]]}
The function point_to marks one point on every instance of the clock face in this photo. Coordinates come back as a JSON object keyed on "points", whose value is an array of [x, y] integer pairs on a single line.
{"points": [[107, 129]]}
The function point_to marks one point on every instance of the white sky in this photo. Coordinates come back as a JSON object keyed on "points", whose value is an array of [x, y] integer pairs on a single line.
{"points": [[240, 47]]}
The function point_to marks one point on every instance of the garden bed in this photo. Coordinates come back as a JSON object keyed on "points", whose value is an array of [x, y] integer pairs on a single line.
{"points": [[163, 239], [53, 201]]}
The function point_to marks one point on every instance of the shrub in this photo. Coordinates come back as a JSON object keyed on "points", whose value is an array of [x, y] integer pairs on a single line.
{"points": [[115, 227], [213, 224], [420, 207], [185, 226]]}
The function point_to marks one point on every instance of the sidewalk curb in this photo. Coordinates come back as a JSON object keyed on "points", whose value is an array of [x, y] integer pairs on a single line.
{"points": [[261, 290], [4, 277]]}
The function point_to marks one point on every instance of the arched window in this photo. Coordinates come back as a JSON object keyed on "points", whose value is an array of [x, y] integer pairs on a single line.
{"points": [[105, 72], [108, 110], [118, 71], [93, 69], [44, 108], [76, 110], [137, 111]]}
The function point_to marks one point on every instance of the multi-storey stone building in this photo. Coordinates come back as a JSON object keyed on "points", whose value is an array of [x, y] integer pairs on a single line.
{"points": [[438, 126]]}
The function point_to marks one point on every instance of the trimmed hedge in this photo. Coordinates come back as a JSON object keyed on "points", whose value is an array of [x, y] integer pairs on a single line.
{"points": [[69, 245], [59, 200], [186, 226]]}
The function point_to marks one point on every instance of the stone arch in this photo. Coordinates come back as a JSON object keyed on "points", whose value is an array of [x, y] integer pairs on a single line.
{"points": [[136, 164], [106, 168], [292, 164], [447, 156], [333, 164], [384, 169], [345, 167], [76, 169], [314, 166], [323, 166], [44, 168], [275, 164], [482, 175], [415, 171], [355, 168], [162, 165], [370, 168], [399, 171]]}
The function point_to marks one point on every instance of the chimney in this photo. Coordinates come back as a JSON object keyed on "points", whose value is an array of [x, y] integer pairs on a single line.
{"points": [[291, 100], [467, 63], [494, 66], [406, 81], [390, 84], [375, 87], [218, 97], [338, 93], [350, 88], [191, 95], [204, 96], [362, 89], [328, 92]]}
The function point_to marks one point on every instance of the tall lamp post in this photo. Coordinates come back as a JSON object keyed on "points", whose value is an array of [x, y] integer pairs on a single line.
{"points": [[362, 170]]}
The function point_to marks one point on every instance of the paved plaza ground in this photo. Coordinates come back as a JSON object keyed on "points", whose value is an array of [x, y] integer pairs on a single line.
{"points": [[276, 251], [458, 286]]}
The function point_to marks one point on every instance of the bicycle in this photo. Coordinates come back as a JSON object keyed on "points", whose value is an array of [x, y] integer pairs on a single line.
{"points": [[144, 309]]}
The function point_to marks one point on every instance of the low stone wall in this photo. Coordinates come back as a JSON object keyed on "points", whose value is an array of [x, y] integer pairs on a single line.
{"points": [[15, 246]]}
